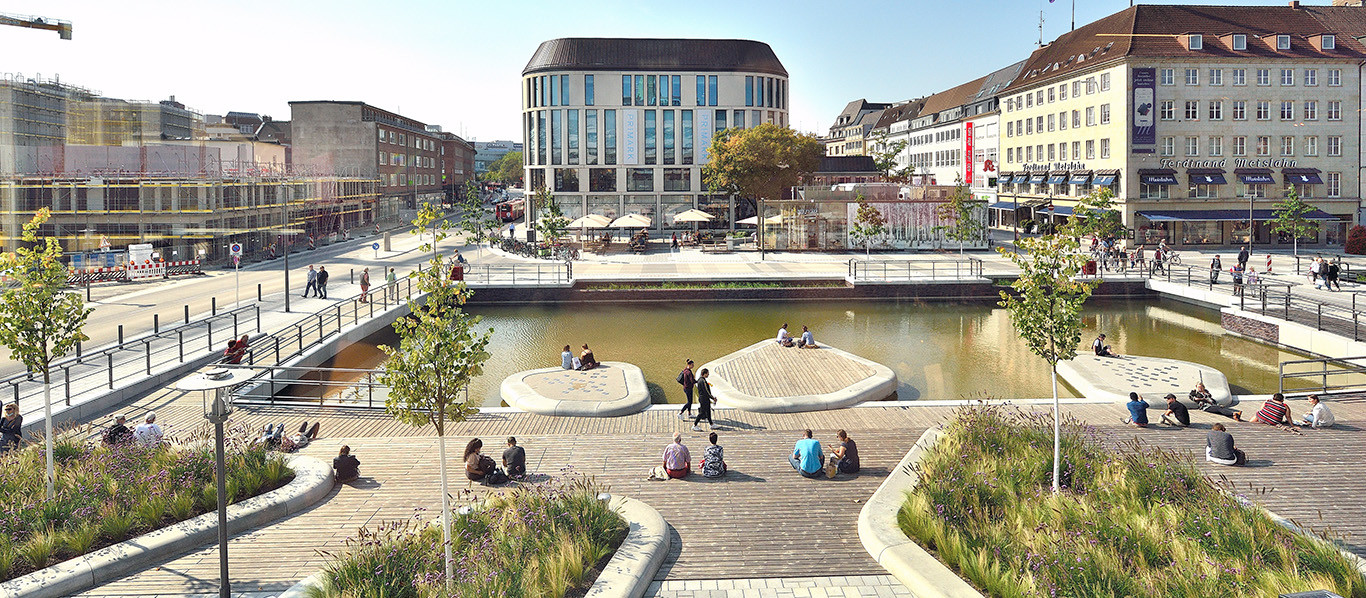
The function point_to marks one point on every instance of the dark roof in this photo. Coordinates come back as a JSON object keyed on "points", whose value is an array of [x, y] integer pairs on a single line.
{"points": [[952, 98], [830, 164], [900, 112], [1159, 31], [627, 54]]}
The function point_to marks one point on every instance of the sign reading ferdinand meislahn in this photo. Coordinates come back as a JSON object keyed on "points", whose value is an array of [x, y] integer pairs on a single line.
{"points": [[1223, 163]]}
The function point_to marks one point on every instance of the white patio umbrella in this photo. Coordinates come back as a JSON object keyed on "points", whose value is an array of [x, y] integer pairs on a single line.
{"points": [[591, 221], [693, 215], [752, 221], [632, 221]]}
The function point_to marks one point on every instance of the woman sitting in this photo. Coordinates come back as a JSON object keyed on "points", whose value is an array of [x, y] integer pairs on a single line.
{"points": [[586, 359], [713, 459], [479, 468]]}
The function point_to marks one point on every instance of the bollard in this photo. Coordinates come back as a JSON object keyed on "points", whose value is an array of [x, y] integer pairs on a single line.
{"points": [[213, 306], [187, 314], [120, 335], [78, 350], [258, 292], [353, 276], [156, 323]]}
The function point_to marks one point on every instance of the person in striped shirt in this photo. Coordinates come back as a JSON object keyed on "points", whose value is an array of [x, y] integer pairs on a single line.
{"points": [[1275, 412]]}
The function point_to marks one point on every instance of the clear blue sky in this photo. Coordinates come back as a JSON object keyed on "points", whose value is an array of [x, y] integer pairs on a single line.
{"points": [[457, 63]]}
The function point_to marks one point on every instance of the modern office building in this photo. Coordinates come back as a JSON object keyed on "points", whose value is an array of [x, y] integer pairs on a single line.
{"points": [[1196, 117], [488, 152], [642, 150]]}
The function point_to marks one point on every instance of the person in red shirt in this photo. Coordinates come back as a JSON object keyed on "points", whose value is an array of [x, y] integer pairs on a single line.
{"points": [[1275, 412]]}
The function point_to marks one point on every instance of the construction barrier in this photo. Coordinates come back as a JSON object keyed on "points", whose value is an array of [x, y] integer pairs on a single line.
{"points": [[147, 269], [144, 271]]}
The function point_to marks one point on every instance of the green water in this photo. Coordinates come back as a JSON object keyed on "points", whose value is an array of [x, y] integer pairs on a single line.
{"points": [[938, 350]]}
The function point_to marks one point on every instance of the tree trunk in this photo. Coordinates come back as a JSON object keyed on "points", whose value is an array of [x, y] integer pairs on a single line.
{"points": [[445, 504], [1057, 434], [47, 433]]}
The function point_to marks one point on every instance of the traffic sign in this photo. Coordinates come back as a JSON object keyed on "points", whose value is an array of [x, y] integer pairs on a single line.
{"points": [[236, 249], [374, 246]]}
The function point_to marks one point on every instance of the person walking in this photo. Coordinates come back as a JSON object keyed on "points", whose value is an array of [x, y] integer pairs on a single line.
{"points": [[312, 281], [1334, 271], [688, 380], [364, 285], [322, 282], [1214, 267], [1243, 255], [704, 401], [391, 280]]}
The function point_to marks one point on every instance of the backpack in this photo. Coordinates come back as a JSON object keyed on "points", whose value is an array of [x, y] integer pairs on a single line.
{"points": [[680, 377], [496, 477]]}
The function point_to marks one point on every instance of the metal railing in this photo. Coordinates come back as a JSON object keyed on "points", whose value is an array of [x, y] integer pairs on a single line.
{"points": [[1334, 374], [313, 329], [312, 387], [556, 273], [914, 270]]}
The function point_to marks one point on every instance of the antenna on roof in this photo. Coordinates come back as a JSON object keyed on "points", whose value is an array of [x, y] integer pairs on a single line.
{"points": [[1040, 28]]}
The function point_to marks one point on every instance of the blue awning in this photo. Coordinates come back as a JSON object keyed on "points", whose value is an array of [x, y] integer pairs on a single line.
{"points": [[1079, 179], [1038, 177], [1057, 179], [1208, 178], [1003, 205], [1104, 180], [1021, 178], [1058, 210], [1157, 179], [1256, 179], [1308, 178], [1222, 215]]}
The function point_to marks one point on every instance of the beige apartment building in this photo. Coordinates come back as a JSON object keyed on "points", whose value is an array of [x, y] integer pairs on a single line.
{"points": [[1197, 118]]}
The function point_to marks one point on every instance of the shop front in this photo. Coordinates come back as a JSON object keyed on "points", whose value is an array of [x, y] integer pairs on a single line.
{"points": [[827, 224]]}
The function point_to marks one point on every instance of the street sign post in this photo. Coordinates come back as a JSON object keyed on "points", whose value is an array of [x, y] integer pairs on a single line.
{"points": [[375, 246], [236, 249]]}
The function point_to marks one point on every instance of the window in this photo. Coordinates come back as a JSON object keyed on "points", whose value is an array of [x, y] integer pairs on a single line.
{"points": [[1062, 151], [1192, 76], [1287, 110], [1050, 122], [1090, 116], [668, 131], [1192, 146], [677, 179], [1240, 146], [1334, 110], [651, 89], [1334, 146], [1076, 150], [1311, 145], [1311, 110], [383, 158], [758, 95], [602, 180], [1051, 95], [1166, 110], [1105, 81], [1104, 114], [640, 179], [557, 137], [651, 136], [1330, 41], [609, 137], [1076, 89], [677, 87], [1062, 91], [1029, 100], [1204, 191], [1333, 180], [1105, 148], [1240, 76], [1192, 110], [701, 90], [739, 120], [1282, 42], [590, 135], [1153, 192], [1052, 152], [1169, 146], [554, 91], [567, 180], [1239, 109], [1239, 41], [749, 91], [640, 90], [1216, 146], [1287, 146], [1010, 128], [1038, 99], [1076, 119], [1263, 146], [1263, 77], [1216, 76], [1010, 154], [1029, 126], [1287, 77], [1263, 110], [1216, 110], [1038, 124], [711, 91], [1168, 77], [720, 120], [1334, 77], [1197, 41], [1029, 153], [1062, 120], [1255, 190], [1311, 77], [625, 90], [1090, 149]]}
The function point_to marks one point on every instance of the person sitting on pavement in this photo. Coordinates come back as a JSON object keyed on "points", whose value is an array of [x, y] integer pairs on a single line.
{"points": [[676, 458], [713, 459], [1204, 401], [304, 436], [784, 338], [567, 359], [1274, 412], [1319, 415], [1101, 349], [514, 459], [1219, 447], [1138, 411], [586, 359], [807, 341], [149, 433], [11, 428], [346, 465], [479, 468], [117, 433], [844, 459], [806, 457], [1179, 415]]}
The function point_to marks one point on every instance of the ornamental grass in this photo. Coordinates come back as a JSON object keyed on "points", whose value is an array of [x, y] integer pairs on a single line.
{"points": [[1131, 521], [108, 494], [541, 540]]}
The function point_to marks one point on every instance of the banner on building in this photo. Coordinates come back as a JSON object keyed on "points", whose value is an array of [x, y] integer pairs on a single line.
{"points": [[705, 128], [1144, 106], [630, 137], [967, 154]]}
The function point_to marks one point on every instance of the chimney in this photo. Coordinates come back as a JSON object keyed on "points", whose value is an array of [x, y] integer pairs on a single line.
{"points": [[1295, 4]]}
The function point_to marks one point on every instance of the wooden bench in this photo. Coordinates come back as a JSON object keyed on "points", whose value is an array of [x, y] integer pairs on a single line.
{"points": [[714, 248]]}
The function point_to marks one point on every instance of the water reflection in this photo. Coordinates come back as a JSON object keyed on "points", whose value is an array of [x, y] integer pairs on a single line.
{"points": [[938, 350]]}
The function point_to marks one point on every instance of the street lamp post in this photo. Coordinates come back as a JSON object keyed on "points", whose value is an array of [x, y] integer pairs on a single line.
{"points": [[284, 231], [216, 382]]}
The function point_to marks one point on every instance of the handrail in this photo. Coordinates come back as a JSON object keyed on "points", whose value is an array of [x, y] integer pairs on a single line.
{"points": [[1346, 366], [321, 324], [356, 387], [963, 268]]}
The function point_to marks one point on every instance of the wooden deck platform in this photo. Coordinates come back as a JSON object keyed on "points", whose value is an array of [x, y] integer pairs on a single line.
{"points": [[768, 377]]}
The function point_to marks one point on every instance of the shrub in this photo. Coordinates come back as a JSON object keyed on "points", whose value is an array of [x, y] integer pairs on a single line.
{"points": [[1137, 521], [1356, 241]]}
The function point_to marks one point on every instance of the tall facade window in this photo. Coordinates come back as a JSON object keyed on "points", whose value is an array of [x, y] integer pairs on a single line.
{"points": [[1263, 110], [540, 138], [1090, 116], [1333, 180], [1050, 122], [701, 90], [545, 92], [1105, 148], [1192, 146], [1287, 146], [625, 90], [668, 130], [1076, 150], [651, 89], [1105, 81], [572, 134], [1240, 76], [1166, 110], [1311, 145], [651, 137], [640, 90], [1287, 110], [554, 90], [1334, 110], [676, 84], [1239, 146], [749, 91], [739, 121], [771, 93], [557, 137], [1263, 145], [1216, 110], [609, 137], [686, 135], [1168, 146], [1311, 110], [1192, 110], [590, 137], [1216, 146], [1104, 114], [1090, 149], [1334, 146], [711, 90], [720, 124], [1062, 120]]}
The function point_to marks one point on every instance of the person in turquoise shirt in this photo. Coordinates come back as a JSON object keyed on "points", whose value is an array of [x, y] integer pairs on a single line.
{"points": [[807, 457]]}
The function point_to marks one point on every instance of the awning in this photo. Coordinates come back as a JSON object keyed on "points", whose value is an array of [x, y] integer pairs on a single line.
{"points": [[1079, 178], [1256, 179], [1309, 178], [1034, 203], [1222, 215], [1003, 205], [1104, 180], [1206, 177], [1157, 179], [1021, 178], [1057, 178], [1058, 210], [1038, 177]]}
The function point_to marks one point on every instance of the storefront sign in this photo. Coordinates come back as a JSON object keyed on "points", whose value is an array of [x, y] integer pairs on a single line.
{"points": [[704, 133], [1237, 163], [630, 137], [1144, 108], [967, 151], [1049, 166]]}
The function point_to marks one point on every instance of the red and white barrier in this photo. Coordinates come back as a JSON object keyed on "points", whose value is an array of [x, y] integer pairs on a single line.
{"points": [[147, 269]]}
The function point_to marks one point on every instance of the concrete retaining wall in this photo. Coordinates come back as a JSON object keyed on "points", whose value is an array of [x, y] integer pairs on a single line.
{"points": [[584, 292]]}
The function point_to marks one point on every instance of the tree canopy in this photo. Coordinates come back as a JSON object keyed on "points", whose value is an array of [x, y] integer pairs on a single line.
{"points": [[1289, 217], [884, 159], [1095, 215], [960, 214], [760, 162], [506, 169]]}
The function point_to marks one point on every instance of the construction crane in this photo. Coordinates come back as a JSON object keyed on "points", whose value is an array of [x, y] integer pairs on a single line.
{"points": [[63, 28]]}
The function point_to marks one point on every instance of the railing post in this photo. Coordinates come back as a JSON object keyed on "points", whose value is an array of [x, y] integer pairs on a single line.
{"points": [[120, 335], [213, 306], [111, 374], [258, 318], [339, 319], [209, 326], [1320, 321], [66, 384], [258, 292], [235, 333], [187, 314], [277, 352], [148, 346], [370, 389], [180, 342], [156, 323]]}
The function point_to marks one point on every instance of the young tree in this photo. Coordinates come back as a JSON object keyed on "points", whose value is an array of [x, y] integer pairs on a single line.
{"points": [[428, 373], [1288, 218], [40, 321], [1046, 308], [869, 223], [507, 169], [552, 223], [1095, 215], [961, 214], [476, 219], [760, 162], [884, 159]]}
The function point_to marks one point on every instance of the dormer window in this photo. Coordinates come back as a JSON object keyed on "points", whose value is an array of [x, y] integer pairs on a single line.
{"points": [[1240, 41], [1330, 41], [1282, 42], [1195, 41]]}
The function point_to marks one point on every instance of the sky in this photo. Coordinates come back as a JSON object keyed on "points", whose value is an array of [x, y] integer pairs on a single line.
{"points": [[457, 63]]}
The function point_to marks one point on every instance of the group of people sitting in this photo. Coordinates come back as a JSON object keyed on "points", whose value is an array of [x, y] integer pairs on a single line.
{"points": [[1219, 443], [584, 361], [640, 241], [807, 341], [807, 458], [237, 349], [147, 433], [482, 468], [273, 437]]}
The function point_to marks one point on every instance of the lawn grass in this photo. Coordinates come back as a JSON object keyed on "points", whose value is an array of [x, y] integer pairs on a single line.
{"points": [[1139, 521], [541, 540], [105, 495]]}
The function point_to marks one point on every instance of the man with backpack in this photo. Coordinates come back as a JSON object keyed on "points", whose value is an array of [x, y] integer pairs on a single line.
{"points": [[688, 380], [322, 282]]}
